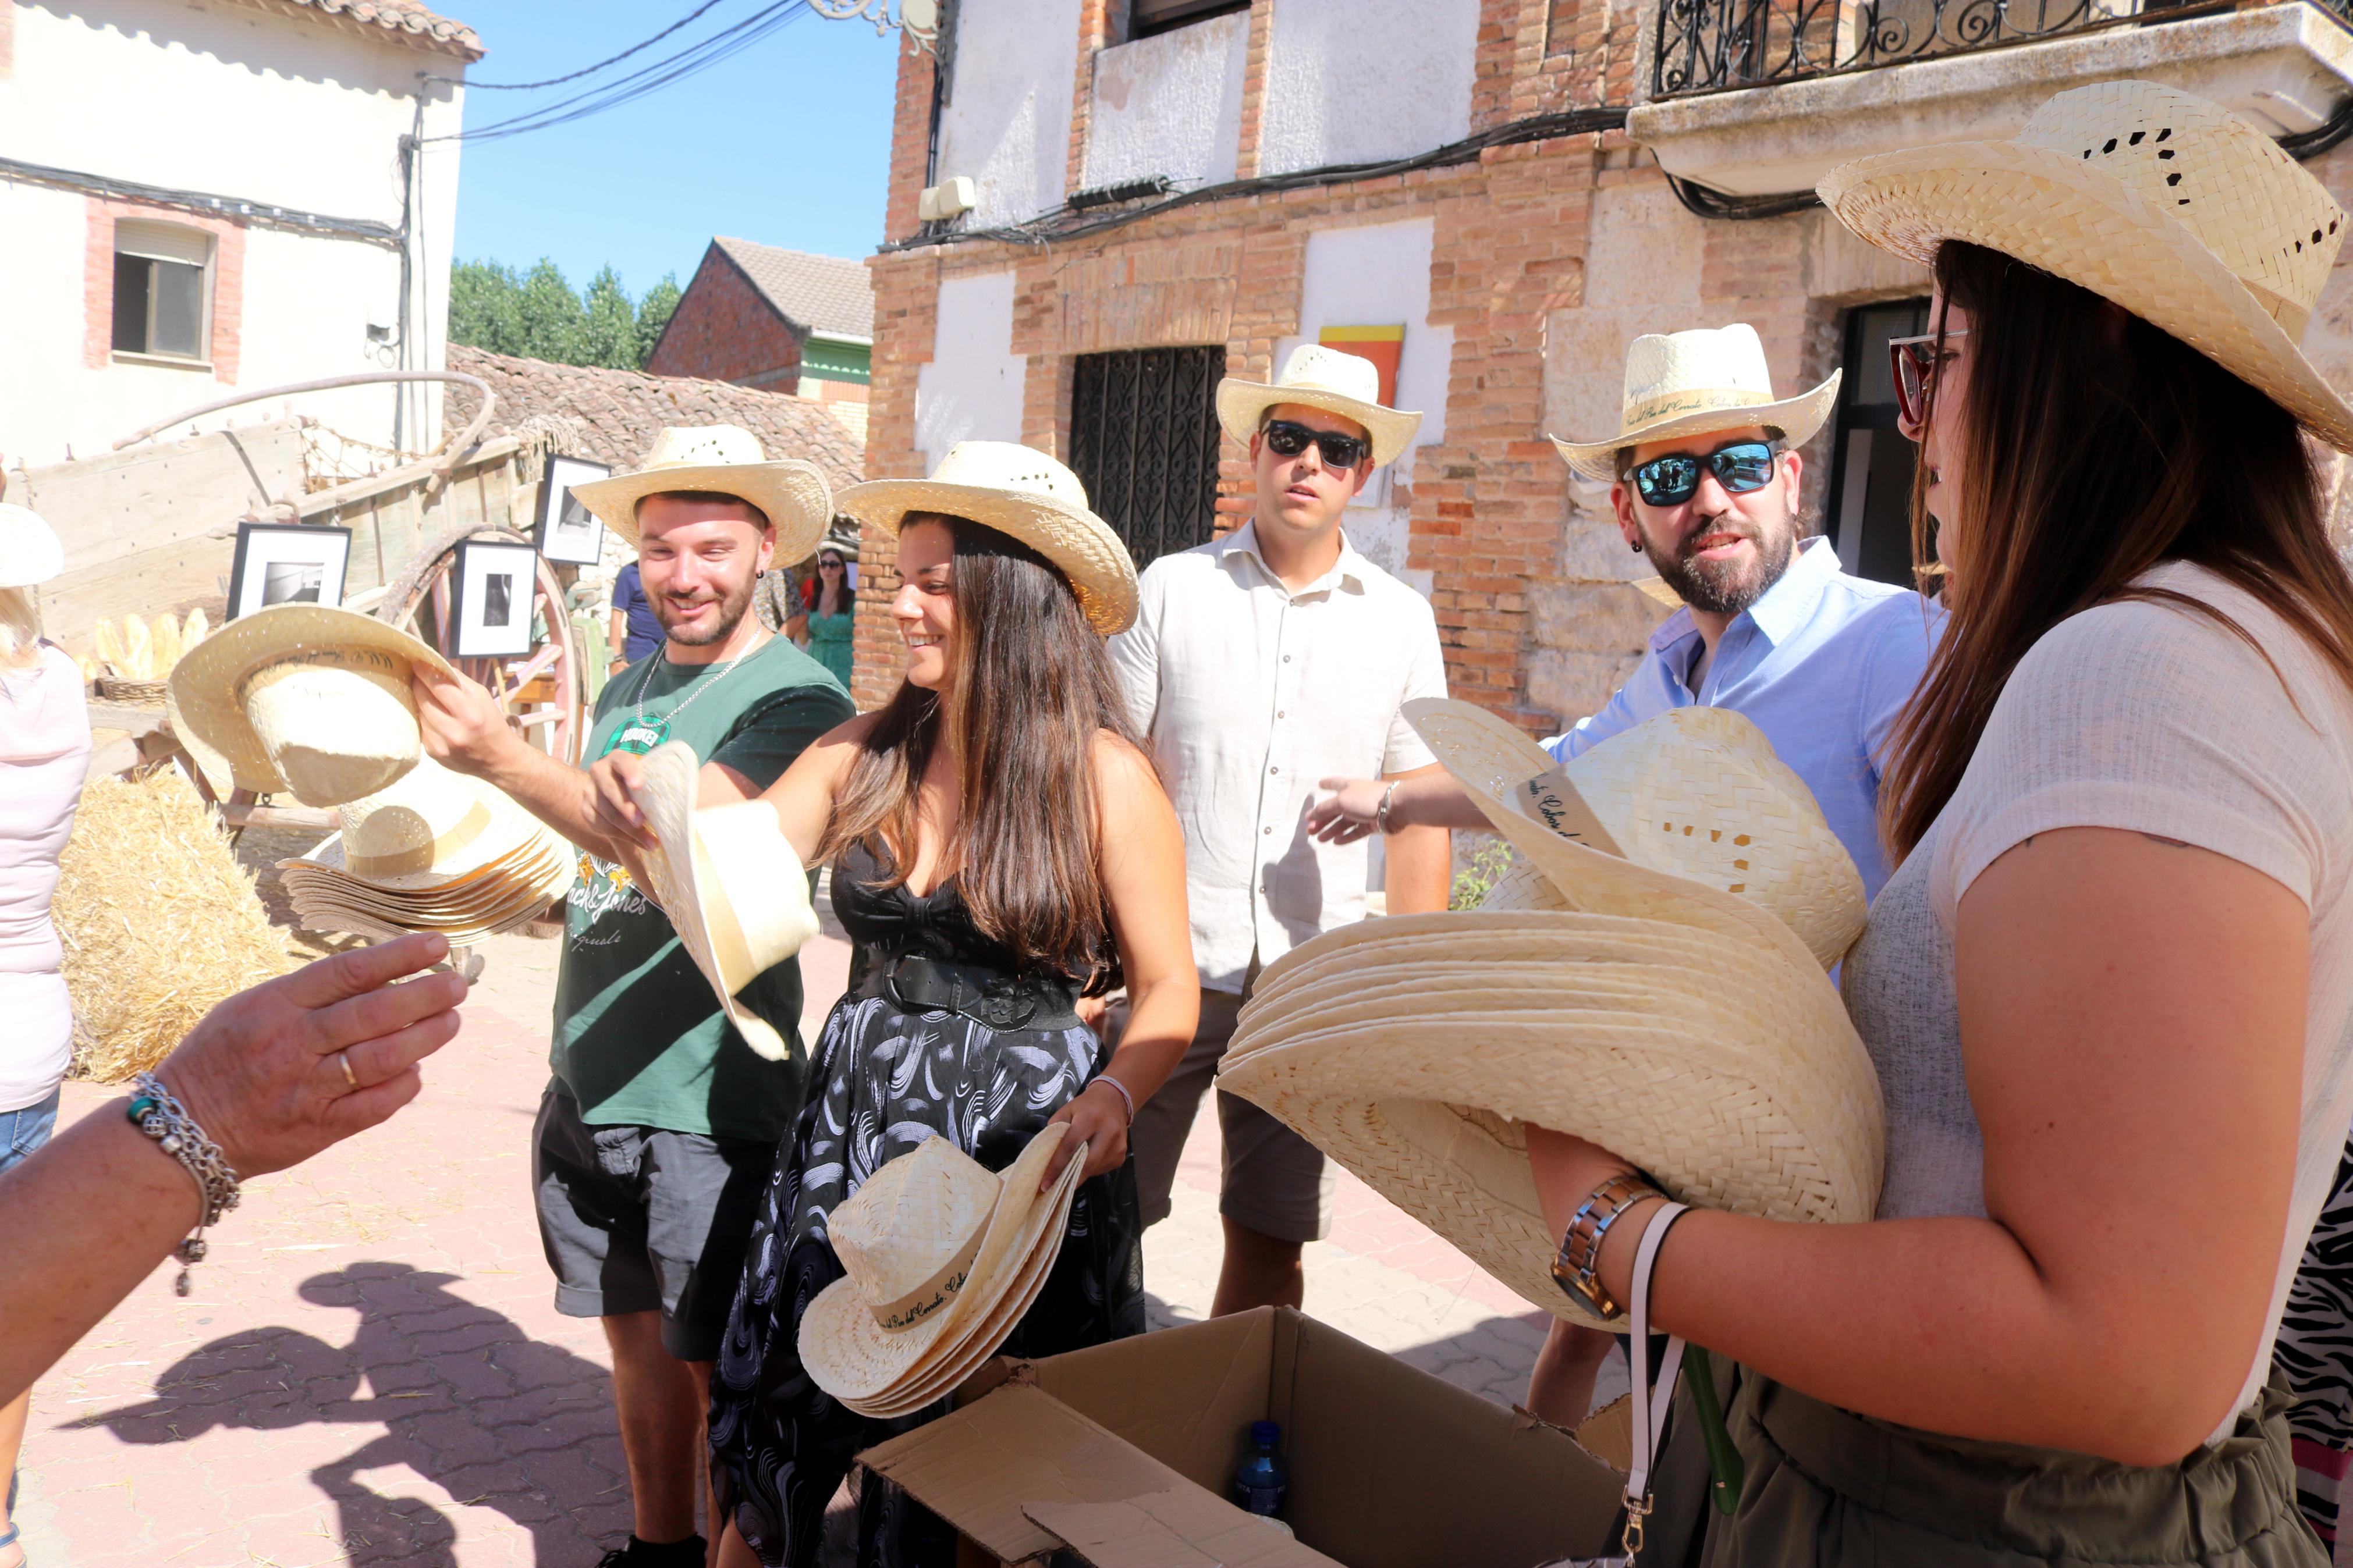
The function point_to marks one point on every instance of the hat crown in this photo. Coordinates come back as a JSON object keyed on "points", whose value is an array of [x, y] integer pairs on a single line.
{"points": [[914, 1223], [695, 446], [1671, 373], [1313, 367], [2259, 211], [1008, 466], [412, 816]]}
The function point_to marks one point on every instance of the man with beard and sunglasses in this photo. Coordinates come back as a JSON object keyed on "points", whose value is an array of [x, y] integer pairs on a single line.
{"points": [[1259, 663], [659, 1124], [1705, 483]]}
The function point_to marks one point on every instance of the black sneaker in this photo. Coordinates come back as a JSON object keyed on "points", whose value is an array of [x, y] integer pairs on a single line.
{"points": [[687, 1553]]}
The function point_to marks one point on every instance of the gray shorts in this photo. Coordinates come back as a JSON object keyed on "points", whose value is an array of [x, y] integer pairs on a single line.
{"points": [[1274, 1182], [641, 1219]]}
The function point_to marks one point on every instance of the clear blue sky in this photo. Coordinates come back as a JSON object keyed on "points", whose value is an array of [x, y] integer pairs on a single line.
{"points": [[787, 142]]}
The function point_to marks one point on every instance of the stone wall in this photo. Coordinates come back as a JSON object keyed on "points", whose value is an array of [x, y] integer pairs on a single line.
{"points": [[725, 330]]}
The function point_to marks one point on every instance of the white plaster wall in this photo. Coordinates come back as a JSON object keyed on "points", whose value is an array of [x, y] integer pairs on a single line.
{"points": [[1170, 104], [1351, 81], [970, 390], [235, 102], [1375, 276], [1006, 123]]}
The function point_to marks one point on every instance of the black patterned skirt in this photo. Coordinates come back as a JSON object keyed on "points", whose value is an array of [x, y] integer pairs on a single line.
{"points": [[882, 1081]]}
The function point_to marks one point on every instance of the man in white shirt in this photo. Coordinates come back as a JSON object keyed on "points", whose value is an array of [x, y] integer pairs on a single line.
{"points": [[1259, 664]]}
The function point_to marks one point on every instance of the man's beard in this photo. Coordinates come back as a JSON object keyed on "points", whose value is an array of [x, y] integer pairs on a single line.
{"points": [[730, 615], [1723, 590]]}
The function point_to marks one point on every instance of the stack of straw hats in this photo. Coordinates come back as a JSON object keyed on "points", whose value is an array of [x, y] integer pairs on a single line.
{"points": [[941, 1260], [1653, 980], [435, 851], [731, 882]]}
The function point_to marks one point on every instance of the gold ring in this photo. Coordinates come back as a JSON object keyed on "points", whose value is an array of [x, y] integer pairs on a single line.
{"points": [[349, 1076]]}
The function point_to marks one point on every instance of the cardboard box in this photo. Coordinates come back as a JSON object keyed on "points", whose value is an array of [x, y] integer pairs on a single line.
{"points": [[1122, 1454]]}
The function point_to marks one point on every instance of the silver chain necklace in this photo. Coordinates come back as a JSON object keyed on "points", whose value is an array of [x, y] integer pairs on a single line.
{"points": [[642, 734]]}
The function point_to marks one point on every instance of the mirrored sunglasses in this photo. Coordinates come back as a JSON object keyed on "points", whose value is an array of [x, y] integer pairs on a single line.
{"points": [[1741, 468], [1288, 439]]}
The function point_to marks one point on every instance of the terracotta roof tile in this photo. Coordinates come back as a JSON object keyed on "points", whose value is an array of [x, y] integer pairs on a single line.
{"points": [[423, 29], [828, 294], [620, 412]]}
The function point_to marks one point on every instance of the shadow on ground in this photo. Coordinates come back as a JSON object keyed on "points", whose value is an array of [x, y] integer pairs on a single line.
{"points": [[461, 1393]]}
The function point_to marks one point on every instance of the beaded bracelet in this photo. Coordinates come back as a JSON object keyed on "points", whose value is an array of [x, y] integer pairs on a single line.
{"points": [[1128, 1098], [158, 1113]]}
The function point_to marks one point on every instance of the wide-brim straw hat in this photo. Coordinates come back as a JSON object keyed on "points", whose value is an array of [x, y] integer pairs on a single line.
{"points": [[2164, 202], [302, 699], [729, 459], [870, 1368], [1314, 376], [30, 552], [1727, 1072], [1694, 384], [1694, 795], [434, 830], [731, 882], [1023, 493]]}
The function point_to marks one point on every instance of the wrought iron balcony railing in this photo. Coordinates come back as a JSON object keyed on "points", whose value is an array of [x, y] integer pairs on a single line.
{"points": [[1708, 46]]}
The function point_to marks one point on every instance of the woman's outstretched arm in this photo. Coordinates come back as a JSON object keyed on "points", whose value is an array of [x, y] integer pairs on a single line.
{"points": [[2132, 1019]]}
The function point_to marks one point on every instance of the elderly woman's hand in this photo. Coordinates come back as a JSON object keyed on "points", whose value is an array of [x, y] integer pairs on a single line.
{"points": [[275, 1073]]}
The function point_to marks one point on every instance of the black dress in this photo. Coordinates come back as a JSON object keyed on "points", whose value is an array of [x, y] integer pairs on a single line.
{"points": [[881, 1079]]}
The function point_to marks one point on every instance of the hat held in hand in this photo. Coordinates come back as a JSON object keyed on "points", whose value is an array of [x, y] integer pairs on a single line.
{"points": [[305, 699]]}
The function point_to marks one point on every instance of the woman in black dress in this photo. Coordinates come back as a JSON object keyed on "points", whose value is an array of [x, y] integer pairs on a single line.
{"points": [[1002, 846]]}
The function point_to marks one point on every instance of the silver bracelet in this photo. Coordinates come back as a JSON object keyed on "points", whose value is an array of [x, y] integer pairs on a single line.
{"points": [[1123, 1095], [156, 1111], [1381, 811]]}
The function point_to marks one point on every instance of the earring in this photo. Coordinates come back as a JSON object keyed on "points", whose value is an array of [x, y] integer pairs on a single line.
{"points": [[1636, 547]]}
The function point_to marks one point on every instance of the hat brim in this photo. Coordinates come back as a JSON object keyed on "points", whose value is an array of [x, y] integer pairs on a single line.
{"points": [[2075, 221], [1241, 403], [739, 909], [1798, 418], [792, 491], [201, 695], [1731, 1077], [1086, 550], [854, 1359]]}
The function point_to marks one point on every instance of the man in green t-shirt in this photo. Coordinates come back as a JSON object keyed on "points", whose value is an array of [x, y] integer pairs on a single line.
{"points": [[659, 1124]]}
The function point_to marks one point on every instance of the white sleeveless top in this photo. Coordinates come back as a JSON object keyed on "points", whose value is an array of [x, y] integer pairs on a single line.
{"points": [[2149, 717]]}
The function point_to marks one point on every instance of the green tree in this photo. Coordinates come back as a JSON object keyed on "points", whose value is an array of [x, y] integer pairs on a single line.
{"points": [[608, 328], [553, 318], [482, 307], [653, 315]]}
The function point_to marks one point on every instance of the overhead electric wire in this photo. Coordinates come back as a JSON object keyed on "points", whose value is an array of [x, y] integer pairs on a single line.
{"points": [[723, 45], [642, 45]]}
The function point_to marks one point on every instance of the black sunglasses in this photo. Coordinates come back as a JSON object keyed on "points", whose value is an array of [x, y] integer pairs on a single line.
{"points": [[1741, 468], [1288, 439]]}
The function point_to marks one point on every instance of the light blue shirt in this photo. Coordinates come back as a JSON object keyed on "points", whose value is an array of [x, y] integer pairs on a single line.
{"points": [[1823, 664]]}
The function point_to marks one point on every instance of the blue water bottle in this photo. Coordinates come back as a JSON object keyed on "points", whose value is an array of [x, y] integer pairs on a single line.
{"points": [[1261, 1481]]}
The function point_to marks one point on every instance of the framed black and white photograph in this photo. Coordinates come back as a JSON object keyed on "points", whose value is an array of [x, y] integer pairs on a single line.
{"points": [[287, 563], [494, 594], [567, 531]]}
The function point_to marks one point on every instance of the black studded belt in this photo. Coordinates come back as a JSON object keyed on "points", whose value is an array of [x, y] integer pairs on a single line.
{"points": [[998, 998]]}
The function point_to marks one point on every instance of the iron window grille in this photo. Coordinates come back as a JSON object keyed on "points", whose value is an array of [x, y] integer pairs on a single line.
{"points": [[1144, 441]]}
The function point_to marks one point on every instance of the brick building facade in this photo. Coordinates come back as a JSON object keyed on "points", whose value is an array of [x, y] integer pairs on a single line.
{"points": [[725, 328], [1522, 269]]}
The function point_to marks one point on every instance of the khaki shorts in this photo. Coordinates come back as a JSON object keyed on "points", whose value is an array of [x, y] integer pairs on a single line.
{"points": [[1274, 1183]]}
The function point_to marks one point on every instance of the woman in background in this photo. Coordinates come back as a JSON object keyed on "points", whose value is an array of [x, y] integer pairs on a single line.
{"points": [[44, 752], [827, 602]]}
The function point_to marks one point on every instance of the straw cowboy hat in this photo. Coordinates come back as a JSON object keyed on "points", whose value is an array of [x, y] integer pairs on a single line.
{"points": [[1318, 377], [1659, 990], [2169, 206], [727, 458], [302, 699], [29, 551], [939, 1257], [1023, 493], [1694, 384], [730, 882]]}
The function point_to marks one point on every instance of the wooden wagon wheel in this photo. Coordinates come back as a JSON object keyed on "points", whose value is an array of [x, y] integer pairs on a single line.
{"points": [[542, 691]]}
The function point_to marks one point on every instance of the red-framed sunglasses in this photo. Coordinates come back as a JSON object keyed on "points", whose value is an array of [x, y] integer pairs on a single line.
{"points": [[1914, 364]]}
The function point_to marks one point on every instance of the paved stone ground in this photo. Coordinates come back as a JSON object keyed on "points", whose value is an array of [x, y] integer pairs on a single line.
{"points": [[371, 1370]]}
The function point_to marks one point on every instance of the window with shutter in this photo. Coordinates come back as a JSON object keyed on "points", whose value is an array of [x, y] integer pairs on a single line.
{"points": [[161, 289]]}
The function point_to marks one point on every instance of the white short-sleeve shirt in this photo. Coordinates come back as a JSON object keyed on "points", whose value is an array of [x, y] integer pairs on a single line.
{"points": [[2146, 716], [1252, 693]]}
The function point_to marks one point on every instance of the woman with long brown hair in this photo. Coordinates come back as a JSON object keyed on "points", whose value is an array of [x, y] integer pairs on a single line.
{"points": [[2109, 990], [1000, 848]]}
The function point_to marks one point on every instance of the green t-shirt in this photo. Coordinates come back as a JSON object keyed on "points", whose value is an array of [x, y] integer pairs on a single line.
{"points": [[640, 1039]]}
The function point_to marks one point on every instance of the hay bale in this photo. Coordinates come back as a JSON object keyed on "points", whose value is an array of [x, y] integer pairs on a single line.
{"points": [[158, 921]]}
